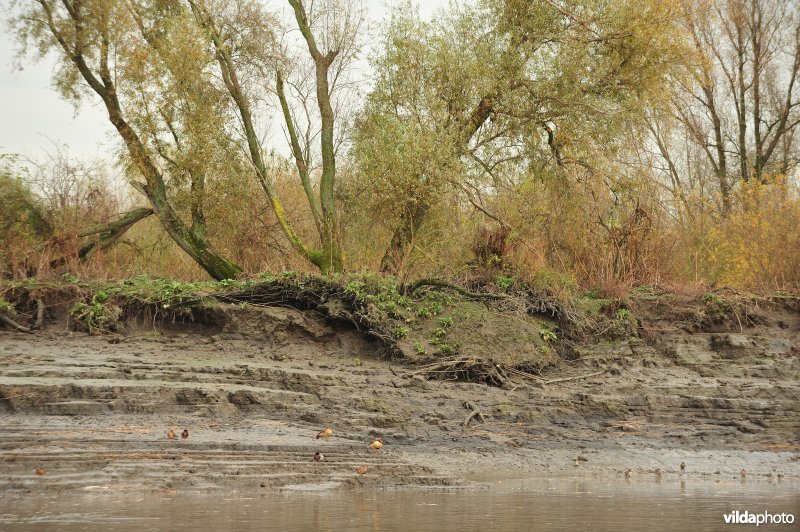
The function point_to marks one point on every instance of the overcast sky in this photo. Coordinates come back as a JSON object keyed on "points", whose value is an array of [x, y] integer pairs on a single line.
{"points": [[33, 115]]}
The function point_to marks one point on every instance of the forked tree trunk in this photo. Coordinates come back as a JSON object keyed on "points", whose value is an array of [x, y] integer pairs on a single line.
{"points": [[396, 252], [101, 81]]}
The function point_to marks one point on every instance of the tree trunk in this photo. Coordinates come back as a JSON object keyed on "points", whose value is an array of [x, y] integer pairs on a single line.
{"points": [[414, 214], [328, 258], [101, 81], [403, 236], [198, 248], [109, 233], [331, 246]]}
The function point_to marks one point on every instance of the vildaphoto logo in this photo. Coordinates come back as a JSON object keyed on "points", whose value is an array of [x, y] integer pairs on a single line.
{"points": [[765, 518]]}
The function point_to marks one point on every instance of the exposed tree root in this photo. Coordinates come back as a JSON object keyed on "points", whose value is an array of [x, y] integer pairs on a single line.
{"points": [[464, 369], [39, 315], [21, 328], [332, 300], [474, 413], [438, 283]]}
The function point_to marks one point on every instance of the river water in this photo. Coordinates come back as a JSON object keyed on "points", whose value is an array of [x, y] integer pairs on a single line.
{"points": [[534, 504]]}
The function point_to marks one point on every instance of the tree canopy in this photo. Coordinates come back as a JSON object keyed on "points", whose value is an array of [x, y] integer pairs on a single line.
{"points": [[502, 134]]}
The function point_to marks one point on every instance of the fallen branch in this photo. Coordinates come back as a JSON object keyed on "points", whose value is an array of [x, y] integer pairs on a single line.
{"points": [[105, 235], [432, 368], [14, 324], [577, 377], [524, 374], [473, 414]]}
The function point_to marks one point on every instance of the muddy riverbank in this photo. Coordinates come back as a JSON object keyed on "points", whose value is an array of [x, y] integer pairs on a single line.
{"points": [[720, 396]]}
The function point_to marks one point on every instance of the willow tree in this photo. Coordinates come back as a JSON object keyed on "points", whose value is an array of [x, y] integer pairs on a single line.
{"points": [[140, 61], [329, 32], [505, 84]]}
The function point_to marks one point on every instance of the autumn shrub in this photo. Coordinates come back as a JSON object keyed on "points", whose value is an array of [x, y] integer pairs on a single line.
{"points": [[22, 220], [591, 236], [757, 246], [44, 208], [244, 226]]}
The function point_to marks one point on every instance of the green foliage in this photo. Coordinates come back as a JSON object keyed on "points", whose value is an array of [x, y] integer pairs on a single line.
{"points": [[167, 293], [716, 305], [504, 283], [20, 209], [622, 315], [356, 288], [544, 104], [713, 300], [440, 84], [7, 308], [553, 281], [419, 349], [381, 293], [99, 316], [446, 322], [108, 300], [400, 332], [547, 334], [24, 221], [439, 333], [447, 349], [594, 293]]}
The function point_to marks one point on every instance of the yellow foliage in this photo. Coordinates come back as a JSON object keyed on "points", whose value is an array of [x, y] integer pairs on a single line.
{"points": [[758, 245]]}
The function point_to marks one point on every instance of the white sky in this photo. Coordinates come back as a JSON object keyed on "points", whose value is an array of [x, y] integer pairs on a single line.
{"points": [[33, 116]]}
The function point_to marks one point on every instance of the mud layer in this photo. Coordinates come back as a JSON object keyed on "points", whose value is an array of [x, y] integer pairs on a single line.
{"points": [[253, 393]]}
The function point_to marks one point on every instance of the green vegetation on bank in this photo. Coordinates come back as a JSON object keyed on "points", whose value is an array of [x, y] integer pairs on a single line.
{"points": [[473, 333]]}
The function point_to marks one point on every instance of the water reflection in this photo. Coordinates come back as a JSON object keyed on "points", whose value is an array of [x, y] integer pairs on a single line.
{"points": [[499, 505]]}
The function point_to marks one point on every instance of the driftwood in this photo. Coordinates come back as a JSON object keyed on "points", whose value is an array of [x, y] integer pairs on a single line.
{"points": [[575, 378], [485, 371], [37, 324], [525, 374], [21, 328], [474, 412], [543, 381]]}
